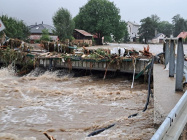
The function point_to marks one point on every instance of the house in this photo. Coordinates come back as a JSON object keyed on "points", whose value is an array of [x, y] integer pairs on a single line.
{"points": [[133, 31], [82, 37], [159, 38], [36, 32], [183, 35]]}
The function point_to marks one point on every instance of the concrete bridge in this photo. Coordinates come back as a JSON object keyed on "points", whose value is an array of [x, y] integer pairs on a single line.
{"points": [[126, 66], [170, 101]]}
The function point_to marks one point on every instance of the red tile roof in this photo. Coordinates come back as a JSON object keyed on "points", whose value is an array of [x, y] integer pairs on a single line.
{"points": [[183, 35], [83, 32]]}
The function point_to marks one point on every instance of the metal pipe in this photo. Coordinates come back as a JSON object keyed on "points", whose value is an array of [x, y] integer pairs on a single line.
{"points": [[50, 64], [179, 66], [149, 85], [172, 59], [167, 54]]}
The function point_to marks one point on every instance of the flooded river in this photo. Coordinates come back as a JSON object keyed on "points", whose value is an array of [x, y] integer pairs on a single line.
{"points": [[70, 108]]}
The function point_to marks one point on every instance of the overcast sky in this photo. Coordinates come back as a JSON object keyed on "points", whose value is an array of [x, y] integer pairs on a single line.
{"points": [[36, 11]]}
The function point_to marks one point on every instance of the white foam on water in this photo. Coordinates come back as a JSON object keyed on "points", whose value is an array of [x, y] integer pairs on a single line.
{"points": [[78, 105]]}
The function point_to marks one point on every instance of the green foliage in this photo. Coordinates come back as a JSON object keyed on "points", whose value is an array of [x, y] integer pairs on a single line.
{"points": [[9, 55], [108, 38], [85, 44], [148, 27], [99, 17], [121, 33], [93, 42], [155, 18], [15, 28], [179, 25], [64, 24], [37, 41], [98, 55], [151, 24], [126, 37], [71, 38], [45, 35], [165, 27]]}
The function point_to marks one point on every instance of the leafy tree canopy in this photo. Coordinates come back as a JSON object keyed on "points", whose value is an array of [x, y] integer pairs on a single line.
{"points": [[155, 18], [166, 28], [64, 24], [147, 29], [100, 17], [151, 24], [45, 35], [179, 25], [121, 33], [15, 28]]}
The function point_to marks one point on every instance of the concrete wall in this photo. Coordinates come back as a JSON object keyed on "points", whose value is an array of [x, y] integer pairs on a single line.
{"points": [[125, 66]]}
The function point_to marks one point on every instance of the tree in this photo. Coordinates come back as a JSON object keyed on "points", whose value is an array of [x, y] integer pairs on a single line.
{"points": [[121, 33], [126, 37], [64, 24], [147, 29], [108, 38], [45, 35], [179, 25], [15, 28], [99, 17], [155, 18], [166, 28]]}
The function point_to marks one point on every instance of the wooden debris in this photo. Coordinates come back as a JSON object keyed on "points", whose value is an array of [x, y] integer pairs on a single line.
{"points": [[99, 55], [146, 52], [49, 137]]}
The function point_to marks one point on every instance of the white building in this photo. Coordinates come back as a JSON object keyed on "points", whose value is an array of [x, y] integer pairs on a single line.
{"points": [[158, 38], [133, 30]]}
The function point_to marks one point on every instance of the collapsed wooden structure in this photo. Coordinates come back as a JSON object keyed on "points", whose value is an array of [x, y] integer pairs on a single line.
{"points": [[55, 55]]}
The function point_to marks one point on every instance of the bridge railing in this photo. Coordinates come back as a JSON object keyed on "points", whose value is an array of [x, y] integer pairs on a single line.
{"points": [[174, 123], [169, 49], [176, 120]]}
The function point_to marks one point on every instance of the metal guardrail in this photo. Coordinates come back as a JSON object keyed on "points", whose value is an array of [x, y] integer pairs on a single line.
{"points": [[174, 123], [176, 120], [169, 50]]}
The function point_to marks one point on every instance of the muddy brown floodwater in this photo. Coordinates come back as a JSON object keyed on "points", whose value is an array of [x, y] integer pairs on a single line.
{"points": [[69, 108]]}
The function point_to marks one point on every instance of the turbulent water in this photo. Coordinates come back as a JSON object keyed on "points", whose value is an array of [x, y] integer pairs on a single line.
{"points": [[69, 108]]}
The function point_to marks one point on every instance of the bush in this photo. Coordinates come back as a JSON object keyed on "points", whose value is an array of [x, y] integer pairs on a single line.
{"points": [[85, 44]]}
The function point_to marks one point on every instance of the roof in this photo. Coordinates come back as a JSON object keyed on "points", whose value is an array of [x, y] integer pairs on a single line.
{"points": [[134, 23], [183, 35], [83, 32], [37, 29], [159, 34]]}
